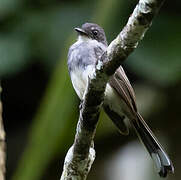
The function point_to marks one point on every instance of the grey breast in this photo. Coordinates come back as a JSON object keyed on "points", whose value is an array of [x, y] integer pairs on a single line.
{"points": [[81, 55]]}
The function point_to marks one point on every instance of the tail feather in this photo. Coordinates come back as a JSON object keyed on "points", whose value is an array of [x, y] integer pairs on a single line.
{"points": [[160, 158]]}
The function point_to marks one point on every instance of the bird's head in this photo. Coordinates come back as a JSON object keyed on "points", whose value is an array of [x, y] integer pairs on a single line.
{"points": [[92, 31]]}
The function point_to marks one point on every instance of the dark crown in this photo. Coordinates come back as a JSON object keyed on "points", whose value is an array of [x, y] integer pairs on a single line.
{"points": [[94, 31]]}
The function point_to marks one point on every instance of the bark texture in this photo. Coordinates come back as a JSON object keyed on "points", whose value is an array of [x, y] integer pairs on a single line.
{"points": [[2, 145]]}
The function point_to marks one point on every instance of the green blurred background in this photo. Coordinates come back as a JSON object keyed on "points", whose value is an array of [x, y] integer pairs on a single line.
{"points": [[41, 108]]}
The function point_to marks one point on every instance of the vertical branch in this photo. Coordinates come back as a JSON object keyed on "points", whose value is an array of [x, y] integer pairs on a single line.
{"points": [[2, 145]]}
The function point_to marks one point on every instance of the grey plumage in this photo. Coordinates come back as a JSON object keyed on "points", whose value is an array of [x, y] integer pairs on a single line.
{"points": [[120, 101]]}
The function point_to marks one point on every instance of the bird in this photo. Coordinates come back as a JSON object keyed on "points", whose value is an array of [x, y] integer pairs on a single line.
{"points": [[119, 101]]}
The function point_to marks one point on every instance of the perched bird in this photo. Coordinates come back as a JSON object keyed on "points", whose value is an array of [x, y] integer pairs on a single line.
{"points": [[119, 102]]}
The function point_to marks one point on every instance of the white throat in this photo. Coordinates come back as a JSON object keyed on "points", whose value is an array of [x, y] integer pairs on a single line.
{"points": [[84, 39], [91, 41]]}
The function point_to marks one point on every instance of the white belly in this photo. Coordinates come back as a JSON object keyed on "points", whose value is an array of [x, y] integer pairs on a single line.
{"points": [[113, 100], [79, 81]]}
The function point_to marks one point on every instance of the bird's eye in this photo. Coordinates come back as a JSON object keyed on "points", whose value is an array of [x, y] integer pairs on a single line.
{"points": [[95, 32]]}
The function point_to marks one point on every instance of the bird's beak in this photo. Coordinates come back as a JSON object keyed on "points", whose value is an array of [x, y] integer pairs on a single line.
{"points": [[80, 31]]}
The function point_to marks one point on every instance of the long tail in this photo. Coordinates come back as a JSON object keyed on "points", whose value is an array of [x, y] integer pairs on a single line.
{"points": [[158, 155]]}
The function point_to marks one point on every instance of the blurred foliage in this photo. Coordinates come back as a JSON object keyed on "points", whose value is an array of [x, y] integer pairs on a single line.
{"points": [[41, 32], [54, 119], [35, 33], [158, 56], [52, 128]]}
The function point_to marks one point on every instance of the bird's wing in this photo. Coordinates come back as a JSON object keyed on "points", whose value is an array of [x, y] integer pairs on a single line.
{"points": [[117, 120], [122, 86]]}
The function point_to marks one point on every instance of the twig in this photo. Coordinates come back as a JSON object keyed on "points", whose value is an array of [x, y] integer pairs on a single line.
{"points": [[2, 145], [81, 155]]}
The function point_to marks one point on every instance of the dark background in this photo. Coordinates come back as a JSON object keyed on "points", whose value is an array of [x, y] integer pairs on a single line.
{"points": [[40, 108]]}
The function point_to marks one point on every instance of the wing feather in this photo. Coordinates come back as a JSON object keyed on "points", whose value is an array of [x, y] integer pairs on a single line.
{"points": [[122, 86]]}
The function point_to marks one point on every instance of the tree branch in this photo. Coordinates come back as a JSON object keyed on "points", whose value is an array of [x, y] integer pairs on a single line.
{"points": [[81, 155], [2, 145]]}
